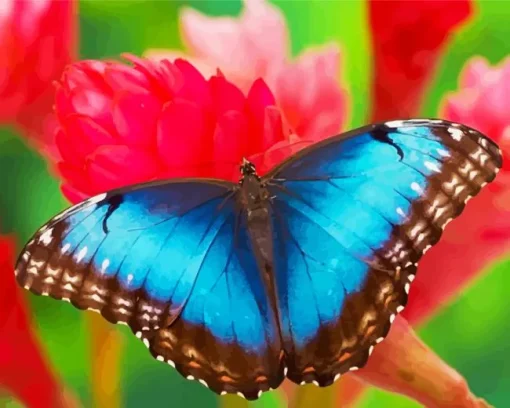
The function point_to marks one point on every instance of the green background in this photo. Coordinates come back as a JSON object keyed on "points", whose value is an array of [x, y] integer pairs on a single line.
{"points": [[472, 334]]}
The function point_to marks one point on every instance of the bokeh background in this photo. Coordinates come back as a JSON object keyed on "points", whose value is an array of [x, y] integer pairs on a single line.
{"points": [[471, 333]]}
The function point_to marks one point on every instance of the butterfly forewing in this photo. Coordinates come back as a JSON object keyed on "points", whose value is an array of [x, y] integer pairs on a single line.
{"points": [[351, 218]]}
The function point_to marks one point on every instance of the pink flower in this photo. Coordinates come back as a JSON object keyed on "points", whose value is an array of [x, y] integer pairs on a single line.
{"points": [[481, 102], [36, 42], [408, 38], [24, 372], [256, 44], [121, 125]]}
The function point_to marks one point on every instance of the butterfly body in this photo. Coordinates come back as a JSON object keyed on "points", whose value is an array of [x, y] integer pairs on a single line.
{"points": [[297, 273]]}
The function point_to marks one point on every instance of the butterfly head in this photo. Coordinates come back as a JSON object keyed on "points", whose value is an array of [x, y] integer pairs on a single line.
{"points": [[247, 168]]}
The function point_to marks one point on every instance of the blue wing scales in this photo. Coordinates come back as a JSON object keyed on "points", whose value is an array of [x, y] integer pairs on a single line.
{"points": [[175, 263], [351, 217]]}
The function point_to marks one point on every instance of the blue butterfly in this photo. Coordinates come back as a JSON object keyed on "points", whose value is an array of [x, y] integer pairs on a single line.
{"points": [[295, 274]]}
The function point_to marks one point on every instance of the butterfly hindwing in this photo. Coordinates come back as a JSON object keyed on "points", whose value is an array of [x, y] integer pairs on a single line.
{"points": [[229, 297], [351, 218], [174, 262]]}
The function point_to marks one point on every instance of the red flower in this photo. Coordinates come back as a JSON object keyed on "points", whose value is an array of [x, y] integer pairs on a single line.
{"points": [[24, 372], [121, 125], [36, 42], [407, 39], [256, 44]]}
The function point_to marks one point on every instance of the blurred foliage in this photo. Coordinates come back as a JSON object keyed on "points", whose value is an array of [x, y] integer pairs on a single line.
{"points": [[471, 334]]}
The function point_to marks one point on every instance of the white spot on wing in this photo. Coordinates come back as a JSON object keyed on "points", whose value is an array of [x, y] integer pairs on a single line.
{"points": [[96, 199], [443, 152], [46, 237], [432, 166], [69, 287], [105, 265], [81, 254], [394, 123], [456, 133], [416, 187]]}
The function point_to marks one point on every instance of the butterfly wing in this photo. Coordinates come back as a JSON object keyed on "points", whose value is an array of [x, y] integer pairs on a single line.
{"points": [[174, 262], [351, 218]]}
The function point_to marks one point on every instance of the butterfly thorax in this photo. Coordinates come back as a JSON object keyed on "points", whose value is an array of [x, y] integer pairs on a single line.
{"points": [[252, 193], [253, 198]]}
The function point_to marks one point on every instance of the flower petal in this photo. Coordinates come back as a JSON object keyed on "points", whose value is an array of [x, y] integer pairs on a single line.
{"points": [[73, 194], [242, 47], [203, 66], [317, 107], [127, 78], [403, 363], [180, 135], [195, 88], [225, 96], [112, 167], [135, 116], [258, 100], [79, 178], [230, 144], [81, 137]]}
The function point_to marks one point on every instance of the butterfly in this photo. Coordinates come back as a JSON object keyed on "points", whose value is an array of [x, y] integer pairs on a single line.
{"points": [[296, 274]]}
